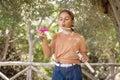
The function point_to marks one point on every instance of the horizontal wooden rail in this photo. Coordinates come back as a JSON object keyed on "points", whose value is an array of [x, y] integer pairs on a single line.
{"points": [[17, 63], [33, 66]]}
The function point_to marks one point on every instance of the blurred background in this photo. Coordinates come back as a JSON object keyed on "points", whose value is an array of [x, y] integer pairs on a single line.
{"points": [[97, 20]]}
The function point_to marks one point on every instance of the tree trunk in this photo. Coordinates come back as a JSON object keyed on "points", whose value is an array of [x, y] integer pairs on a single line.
{"points": [[115, 6], [112, 8]]}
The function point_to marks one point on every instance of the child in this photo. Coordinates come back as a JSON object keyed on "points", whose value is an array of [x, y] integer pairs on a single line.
{"points": [[64, 46]]}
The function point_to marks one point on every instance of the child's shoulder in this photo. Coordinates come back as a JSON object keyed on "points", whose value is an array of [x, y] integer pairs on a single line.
{"points": [[78, 35]]}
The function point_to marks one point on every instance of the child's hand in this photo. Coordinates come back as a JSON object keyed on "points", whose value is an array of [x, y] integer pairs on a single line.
{"points": [[41, 34], [84, 58]]}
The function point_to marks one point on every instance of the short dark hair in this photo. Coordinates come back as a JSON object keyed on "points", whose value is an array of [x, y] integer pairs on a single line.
{"points": [[69, 12]]}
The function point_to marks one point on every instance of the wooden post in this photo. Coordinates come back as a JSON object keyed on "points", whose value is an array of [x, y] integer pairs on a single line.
{"points": [[29, 72]]}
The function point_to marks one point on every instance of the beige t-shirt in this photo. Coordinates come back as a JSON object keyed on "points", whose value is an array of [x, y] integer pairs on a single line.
{"points": [[64, 47]]}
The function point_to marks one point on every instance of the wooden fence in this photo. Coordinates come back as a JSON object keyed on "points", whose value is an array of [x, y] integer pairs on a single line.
{"points": [[33, 65]]}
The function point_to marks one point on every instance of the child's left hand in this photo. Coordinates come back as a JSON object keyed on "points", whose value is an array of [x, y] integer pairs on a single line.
{"points": [[84, 58]]}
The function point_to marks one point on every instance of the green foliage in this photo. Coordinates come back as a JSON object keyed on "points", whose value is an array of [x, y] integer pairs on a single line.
{"points": [[46, 70], [97, 28]]}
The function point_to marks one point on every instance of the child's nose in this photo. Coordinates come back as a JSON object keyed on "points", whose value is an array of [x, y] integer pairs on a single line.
{"points": [[63, 20]]}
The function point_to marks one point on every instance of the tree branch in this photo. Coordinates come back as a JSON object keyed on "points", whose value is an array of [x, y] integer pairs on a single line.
{"points": [[6, 46], [88, 75], [112, 75]]}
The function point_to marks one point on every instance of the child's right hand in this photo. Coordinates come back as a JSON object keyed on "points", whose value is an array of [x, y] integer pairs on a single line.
{"points": [[41, 34]]}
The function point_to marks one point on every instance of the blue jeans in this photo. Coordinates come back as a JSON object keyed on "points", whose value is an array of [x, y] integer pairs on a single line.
{"points": [[67, 73]]}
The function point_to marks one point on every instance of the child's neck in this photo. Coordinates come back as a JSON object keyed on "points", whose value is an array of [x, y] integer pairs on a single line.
{"points": [[65, 30]]}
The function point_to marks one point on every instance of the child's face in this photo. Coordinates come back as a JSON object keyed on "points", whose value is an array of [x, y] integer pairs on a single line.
{"points": [[65, 20]]}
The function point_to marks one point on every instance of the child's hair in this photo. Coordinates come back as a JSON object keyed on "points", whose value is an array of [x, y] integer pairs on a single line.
{"points": [[69, 12], [71, 15]]}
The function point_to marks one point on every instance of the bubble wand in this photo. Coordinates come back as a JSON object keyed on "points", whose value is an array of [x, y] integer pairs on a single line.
{"points": [[86, 63]]}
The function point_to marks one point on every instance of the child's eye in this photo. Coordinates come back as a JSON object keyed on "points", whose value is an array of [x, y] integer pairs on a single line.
{"points": [[60, 19], [66, 19]]}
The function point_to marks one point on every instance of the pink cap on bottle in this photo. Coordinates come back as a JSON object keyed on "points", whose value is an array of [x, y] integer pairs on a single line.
{"points": [[43, 29]]}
